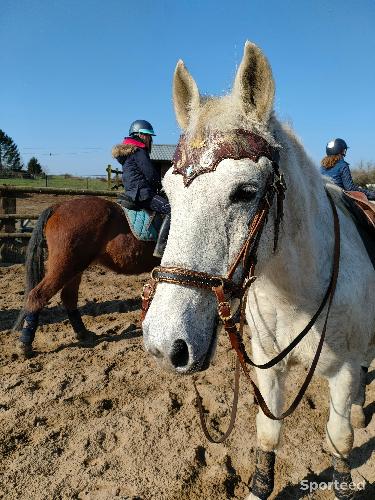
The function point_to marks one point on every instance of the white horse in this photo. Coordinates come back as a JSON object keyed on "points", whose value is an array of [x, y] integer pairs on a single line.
{"points": [[210, 215]]}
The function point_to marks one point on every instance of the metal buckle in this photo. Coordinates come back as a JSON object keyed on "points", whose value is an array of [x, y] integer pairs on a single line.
{"points": [[144, 288], [221, 315]]}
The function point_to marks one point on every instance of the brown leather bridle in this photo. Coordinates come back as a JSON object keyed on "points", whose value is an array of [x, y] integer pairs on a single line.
{"points": [[225, 289]]}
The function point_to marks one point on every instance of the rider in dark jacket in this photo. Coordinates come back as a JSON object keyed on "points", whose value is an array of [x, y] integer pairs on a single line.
{"points": [[333, 165], [141, 179]]}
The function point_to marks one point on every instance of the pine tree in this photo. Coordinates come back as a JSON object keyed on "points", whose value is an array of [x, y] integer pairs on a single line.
{"points": [[10, 158], [34, 167]]}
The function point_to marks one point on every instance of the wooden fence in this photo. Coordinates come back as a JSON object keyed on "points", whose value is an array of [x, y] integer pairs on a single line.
{"points": [[12, 243], [114, 183]]}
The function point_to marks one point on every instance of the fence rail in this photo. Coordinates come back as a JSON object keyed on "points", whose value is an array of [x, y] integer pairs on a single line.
{"points": [[14, 236], [48, 190], [112, 178], [19, 216]]}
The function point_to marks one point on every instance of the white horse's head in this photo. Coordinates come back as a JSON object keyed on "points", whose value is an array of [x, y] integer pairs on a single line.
{"points": [[214, 190]]}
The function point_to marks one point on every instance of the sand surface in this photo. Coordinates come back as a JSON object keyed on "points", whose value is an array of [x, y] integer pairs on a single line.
{"points": [[107, 423]]}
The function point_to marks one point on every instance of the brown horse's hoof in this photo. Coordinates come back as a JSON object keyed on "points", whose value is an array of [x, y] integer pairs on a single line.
{"points": [[86, 338], [25, 351]]}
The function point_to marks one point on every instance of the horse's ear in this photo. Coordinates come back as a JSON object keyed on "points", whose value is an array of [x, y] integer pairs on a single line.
{"points": [[185, 94], [254, 85]]}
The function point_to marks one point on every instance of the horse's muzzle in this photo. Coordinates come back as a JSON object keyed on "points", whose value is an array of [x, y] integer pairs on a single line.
{"points": [[180, 359]]}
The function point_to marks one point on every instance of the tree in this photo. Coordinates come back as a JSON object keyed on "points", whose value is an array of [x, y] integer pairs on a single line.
{"points": [[34, 167], [10, 158]]}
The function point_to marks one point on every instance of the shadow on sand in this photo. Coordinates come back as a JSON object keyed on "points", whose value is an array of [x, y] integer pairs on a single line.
{"points": [[57, 314], [131, 332], [359, 456]]}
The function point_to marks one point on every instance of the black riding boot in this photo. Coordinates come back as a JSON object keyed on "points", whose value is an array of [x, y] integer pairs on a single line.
{"points": [[163, 237]]}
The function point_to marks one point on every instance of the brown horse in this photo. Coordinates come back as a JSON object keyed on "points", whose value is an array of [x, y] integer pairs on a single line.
{"points": [[77, 233]]}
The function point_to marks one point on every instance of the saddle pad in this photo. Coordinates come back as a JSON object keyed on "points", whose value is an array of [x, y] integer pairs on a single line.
{"points": [[145, 226]]}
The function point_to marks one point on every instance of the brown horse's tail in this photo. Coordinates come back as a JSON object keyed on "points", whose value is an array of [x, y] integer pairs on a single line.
{"points": [[34, 260]]}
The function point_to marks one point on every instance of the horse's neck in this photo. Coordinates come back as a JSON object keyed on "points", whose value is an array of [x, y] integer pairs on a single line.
{"points": [[303, 263]]}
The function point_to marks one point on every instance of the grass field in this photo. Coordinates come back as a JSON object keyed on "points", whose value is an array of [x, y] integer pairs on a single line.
{"points": [[61, 181]]}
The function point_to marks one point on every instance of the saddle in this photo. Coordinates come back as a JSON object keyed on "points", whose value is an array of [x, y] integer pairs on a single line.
{"points": [[144, 224], [362, 212], [126, 202], [364, 207]]}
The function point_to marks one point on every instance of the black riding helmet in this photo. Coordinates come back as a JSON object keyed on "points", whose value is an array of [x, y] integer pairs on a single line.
{"points": [[336, 147], [141, 127]]}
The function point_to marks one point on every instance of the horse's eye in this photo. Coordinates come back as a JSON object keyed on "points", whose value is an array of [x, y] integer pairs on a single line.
{"points": [[243, 194]]}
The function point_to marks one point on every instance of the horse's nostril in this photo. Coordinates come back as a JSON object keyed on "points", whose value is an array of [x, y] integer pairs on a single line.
{"points": [[179, 354]]}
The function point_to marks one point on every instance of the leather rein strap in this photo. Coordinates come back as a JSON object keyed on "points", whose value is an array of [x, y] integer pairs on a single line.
{"points": [[225, 286], [328, 297]]}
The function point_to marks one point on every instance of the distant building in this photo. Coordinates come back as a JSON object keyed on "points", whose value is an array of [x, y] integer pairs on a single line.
{"points": [[162, 156]]}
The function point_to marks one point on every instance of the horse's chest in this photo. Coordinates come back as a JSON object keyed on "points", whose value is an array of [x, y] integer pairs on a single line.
{"points": [[275, 323]]}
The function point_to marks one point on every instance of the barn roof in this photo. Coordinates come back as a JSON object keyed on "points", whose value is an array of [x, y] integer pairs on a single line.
{"points": [[162, 152]]}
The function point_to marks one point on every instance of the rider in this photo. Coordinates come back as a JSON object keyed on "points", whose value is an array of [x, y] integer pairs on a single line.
{"points": [[141, 178], [333, 165]]}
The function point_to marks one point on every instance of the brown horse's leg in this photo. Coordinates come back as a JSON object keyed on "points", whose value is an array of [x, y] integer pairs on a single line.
{"points": [[69, 293], [46, 289], [36, 301], [69, 297], [59, 273]]}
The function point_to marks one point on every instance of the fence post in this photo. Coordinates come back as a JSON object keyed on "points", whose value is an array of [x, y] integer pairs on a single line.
{"points": [[7, 206], [109, 175]]}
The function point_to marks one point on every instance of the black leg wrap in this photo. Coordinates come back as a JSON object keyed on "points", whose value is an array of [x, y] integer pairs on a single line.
{"points": [[77, 323], [29, 327], [263, 478], [342, 479]]}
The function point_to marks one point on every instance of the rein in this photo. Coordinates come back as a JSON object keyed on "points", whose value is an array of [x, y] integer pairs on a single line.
{"points": [[226, 289]]}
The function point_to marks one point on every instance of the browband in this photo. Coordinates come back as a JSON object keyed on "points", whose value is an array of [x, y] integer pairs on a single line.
{"points": [[193, 158]]}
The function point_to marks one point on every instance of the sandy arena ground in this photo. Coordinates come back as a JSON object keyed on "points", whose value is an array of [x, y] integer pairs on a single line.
{"points": [[107, 423]]}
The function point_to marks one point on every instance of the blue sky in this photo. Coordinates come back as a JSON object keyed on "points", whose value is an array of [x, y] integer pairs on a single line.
{"points": [[75, 73]]}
